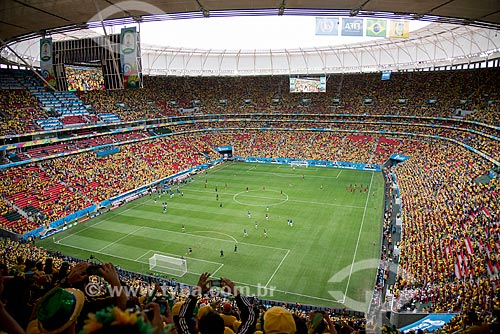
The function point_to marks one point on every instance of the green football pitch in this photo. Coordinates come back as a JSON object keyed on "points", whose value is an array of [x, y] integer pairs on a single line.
{"points": [[318, 260]]}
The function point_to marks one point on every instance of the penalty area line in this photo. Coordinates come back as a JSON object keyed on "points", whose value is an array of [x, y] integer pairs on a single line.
{"points": [[279, 266]]}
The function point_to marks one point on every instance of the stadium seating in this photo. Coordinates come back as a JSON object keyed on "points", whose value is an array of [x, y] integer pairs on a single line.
{"points": [[450, 251]]}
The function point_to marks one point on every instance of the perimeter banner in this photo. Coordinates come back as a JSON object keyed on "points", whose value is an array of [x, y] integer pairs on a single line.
{"points": [[376, 28], [431, 322], [399, 29], [46, 61], [128, 54], [352, 27], [328, 26]]}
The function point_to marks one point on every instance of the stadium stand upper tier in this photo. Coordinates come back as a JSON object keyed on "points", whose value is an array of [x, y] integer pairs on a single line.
{"points": [[26, 106]]}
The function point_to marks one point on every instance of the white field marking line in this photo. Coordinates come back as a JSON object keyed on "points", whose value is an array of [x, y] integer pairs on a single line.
{"points": [[331, 204], [279, 266], [338, 174], [299, 294], [195, 273], [287, 292], [296, 176], [103, 253], [218, 169], [215, 272], [227, 235], [102, 221], [313, 169], [359, 236], [147, 252], [284, 200], [253, 196], [126, 235], [243, 193], [202, 236], [154, 251], [127, 259]]}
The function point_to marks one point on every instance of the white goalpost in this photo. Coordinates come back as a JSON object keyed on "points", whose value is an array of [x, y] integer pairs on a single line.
{"points": [[299, 164], [168, 265]]}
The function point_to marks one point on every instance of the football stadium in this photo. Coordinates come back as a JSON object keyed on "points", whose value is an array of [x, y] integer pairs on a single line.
{"points": [[234, 167]]}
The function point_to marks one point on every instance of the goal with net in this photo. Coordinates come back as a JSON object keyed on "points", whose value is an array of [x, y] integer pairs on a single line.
{"points": [[168, 265], [299, 164]]}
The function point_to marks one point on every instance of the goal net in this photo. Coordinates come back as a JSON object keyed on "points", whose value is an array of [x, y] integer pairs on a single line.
{"points": [[299, 164], [168, 265]]}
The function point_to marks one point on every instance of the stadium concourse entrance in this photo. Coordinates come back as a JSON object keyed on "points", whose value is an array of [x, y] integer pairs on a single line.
{"points": [[225, 151]]}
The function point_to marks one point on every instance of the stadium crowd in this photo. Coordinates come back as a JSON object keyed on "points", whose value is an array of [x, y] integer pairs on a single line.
{"points": [[450, 251], [165, 97]]}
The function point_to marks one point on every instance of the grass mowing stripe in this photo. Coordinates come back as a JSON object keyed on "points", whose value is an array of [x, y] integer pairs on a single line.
{"points": [[119, 239], [287, 199], [298, 260], [359, 236], [294, 175], [278, 268]]}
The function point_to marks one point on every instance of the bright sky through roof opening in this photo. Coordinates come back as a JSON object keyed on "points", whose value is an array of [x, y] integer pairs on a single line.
{"points": [[246, 33]]}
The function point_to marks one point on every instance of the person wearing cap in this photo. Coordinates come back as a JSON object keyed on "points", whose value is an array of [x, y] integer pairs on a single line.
{"points": [[228, 316], [57, 312], [278, 320], [212, 322]]}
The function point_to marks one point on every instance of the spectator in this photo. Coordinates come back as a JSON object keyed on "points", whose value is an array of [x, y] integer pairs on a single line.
{"points": [[214, 324], [57, 312], [278, 320]]}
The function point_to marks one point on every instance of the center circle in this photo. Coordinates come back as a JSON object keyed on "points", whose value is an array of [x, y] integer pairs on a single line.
{"points": [[260, 197]]}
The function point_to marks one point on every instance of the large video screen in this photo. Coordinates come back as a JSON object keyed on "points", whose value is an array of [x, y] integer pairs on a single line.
{"points": [[84, 78], [308, 85]]}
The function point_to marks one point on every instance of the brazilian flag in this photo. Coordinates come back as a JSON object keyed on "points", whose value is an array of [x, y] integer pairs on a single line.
{"points": [[376, 28]]}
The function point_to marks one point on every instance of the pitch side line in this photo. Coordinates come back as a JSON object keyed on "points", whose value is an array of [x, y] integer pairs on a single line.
{"points": [[147, 252], [213, 274], [104, 220], [359, 236], [288, 292], [279, 266], [222, 166], [195, 273], [114, 242]]}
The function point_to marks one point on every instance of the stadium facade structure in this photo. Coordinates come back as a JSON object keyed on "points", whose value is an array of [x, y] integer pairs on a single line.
{"points": [[446, 43]]}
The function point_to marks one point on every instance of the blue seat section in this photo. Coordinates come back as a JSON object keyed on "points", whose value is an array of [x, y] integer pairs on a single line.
{"points": [[18, 79], [62, 103], [50, 123], [109, 118]]}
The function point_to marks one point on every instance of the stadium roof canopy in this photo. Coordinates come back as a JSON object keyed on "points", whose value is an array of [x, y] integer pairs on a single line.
{"points": [[462, 31], [24, 17]]}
